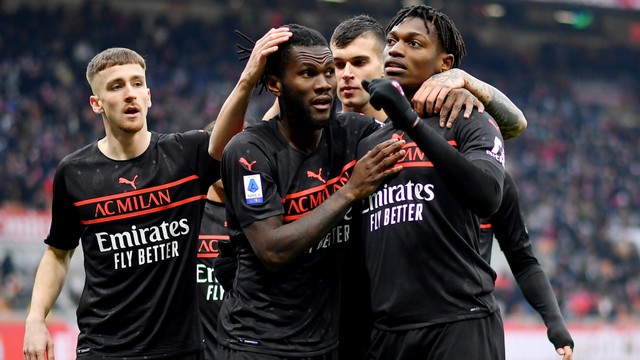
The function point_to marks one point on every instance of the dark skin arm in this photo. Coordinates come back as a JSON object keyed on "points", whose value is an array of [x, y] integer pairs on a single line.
{"points": [[277, 244]]}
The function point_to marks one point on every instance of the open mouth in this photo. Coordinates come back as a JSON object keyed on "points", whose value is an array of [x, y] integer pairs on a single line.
{"points": [[131, 110], [322, 103], [394, 67]]}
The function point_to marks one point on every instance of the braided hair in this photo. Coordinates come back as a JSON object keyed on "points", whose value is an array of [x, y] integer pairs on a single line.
{"points": [[278, 61], [449, 36]]}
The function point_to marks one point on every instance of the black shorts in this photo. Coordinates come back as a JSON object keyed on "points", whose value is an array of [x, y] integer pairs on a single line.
{"points": [[225, 353], [472, 339]]}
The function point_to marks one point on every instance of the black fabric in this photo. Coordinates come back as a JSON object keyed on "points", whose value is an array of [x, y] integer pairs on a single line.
{"points": [[388, 95], [476, 183], [213, 233], [421, 242], [138, 222], [511, 233], [472, 339], [226, 264], [292, 312]]}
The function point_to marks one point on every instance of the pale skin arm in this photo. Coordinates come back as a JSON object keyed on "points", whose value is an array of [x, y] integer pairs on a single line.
{"points": [[277, 244], [566, 353], [273, 111], [230, 120], [48, 283], [432, 97]]}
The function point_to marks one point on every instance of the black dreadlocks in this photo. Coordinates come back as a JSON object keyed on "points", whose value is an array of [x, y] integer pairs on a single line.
{"points": [[449, 36]]}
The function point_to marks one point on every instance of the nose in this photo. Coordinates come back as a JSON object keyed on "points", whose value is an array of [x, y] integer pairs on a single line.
{"points": [[325, 83], [347, 73], [395, 49], [130, 93]]}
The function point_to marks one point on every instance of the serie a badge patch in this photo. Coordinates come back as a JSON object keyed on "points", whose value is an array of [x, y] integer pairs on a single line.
{"points": [[253, 189]]}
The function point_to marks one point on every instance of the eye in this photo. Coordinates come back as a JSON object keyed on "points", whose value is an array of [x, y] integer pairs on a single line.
{"points": [[391, 41], [329, 72], [116, 87], [138, 84], [340, 65], [415, 43]]}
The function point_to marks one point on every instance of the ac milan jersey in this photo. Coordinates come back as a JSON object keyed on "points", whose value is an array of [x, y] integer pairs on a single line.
{"points": [[507, 223], [210, 292], [421, 243], [292, 312], [138, 222]]}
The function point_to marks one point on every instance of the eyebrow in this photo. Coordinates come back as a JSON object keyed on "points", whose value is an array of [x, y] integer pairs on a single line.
{"points": [[132, 78]]}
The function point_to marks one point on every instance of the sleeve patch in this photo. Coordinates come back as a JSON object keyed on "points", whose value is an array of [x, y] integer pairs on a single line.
{"points": [[253, 189]]}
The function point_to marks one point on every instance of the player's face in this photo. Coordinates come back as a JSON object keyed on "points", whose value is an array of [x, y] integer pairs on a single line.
{"points": [[309, 86], [412, 54], [122, 97], [359, 60]]}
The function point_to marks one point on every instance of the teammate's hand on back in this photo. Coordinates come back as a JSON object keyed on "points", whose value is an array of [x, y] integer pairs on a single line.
{"points": [[388, 95]]}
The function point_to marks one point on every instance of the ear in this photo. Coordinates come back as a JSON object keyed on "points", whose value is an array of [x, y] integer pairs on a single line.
{"points": [[149, 93], [274, 85], [96, 104], [446, 62]]}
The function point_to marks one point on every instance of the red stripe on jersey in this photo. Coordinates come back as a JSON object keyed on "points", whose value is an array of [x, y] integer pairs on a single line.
{"points": [[137, 192], [485, 226], [144, 212]]}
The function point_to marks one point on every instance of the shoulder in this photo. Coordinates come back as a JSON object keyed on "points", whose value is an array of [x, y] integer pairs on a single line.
{"points": [[188, 136], [357, 124], [477, 120], [87, 154]]}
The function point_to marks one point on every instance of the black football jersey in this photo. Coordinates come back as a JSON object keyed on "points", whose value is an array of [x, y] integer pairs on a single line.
{"points": [[421, 244], [292, 312], [210, 292], [138, 222]]}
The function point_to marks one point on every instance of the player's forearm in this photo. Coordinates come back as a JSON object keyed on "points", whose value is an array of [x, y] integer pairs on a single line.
{"points": [[230, 120], [477, 188], [284, 243], [535, 287], [509, 117], [49, 280]]}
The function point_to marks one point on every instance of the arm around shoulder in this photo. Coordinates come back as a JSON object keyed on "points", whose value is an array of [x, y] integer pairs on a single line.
{"points": [[509, 117]]}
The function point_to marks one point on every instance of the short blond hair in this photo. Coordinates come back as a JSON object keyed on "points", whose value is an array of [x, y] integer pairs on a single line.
{"points": [[112, 57]]}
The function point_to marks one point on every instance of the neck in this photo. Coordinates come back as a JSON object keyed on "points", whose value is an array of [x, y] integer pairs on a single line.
{"points": [[300, 139], [125, 146], [367, 110]]}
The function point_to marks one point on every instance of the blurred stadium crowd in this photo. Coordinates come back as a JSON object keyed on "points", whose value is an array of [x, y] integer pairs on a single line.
{"points": [[577, 165]]}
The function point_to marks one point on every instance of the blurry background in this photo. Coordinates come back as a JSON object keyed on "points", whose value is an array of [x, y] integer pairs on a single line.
{"points": [[573, 67]]}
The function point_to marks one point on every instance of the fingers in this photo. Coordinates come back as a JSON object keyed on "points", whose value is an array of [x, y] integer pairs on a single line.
{"points": [[267, 45], [566, 353], [387, 154], [429, 99]]}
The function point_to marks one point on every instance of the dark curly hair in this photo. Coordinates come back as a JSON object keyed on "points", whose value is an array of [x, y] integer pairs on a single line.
{"points": [[449, 36]]}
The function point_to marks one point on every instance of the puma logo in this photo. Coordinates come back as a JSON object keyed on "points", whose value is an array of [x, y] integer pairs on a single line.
{"points": [[130, 182], [244, 162], [318, 176], [397, 136]]}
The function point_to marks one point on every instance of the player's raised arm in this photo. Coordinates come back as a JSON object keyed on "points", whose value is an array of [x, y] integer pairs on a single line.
{"points": [[230, 120]]}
